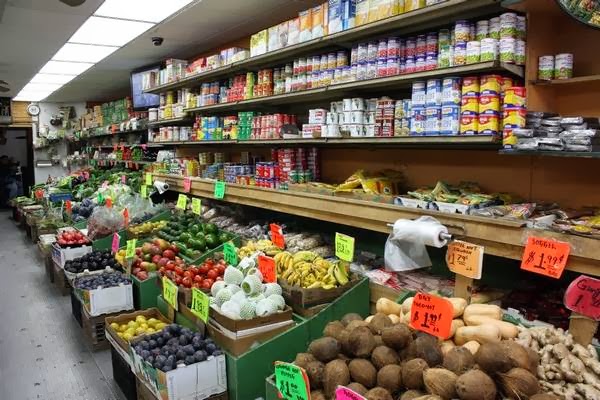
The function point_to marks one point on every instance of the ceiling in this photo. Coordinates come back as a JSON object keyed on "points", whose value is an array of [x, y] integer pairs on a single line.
{"points": [[32, 31]]}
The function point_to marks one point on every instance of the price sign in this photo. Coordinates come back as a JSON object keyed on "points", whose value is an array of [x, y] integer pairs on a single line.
{"points": [[583, 297], [291, 381], [115, 243], [219, 189], [230, 254], [197, 206], [182, 202], [144, 146], [344, 247], [100, 198], [465, 259], [277, 236], [343, 393], [545, 256], [130, 250], [268, 269], [170, 290], [187, 184], [68, 206], [123, 179], [148, 179], [200, 304], [108, 202], [144, 191], [431, 314], [126, 217]]}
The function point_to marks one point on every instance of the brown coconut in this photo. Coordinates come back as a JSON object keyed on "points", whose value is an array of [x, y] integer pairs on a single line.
{"points": [[317, 395], [397, 336], [302, 359], [459, 360], [358, 388], [378, 394], [427, 348], [390, 378], [492, 358], [440, 382], [378, 340], [519, 383], [363, 372], [534, 360], [346, 319], [333, 329], [379, 322], [315, 370], [383, 356], [412, 373], [410, 395], [544, 396], [518, 356], [356, 324], [336, 374], [361, 342], [344, 342], [324, 349], [475, 385], [429, 397]]}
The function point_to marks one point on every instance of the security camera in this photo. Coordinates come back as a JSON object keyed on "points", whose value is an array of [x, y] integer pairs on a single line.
{"points": [[157, 40]]}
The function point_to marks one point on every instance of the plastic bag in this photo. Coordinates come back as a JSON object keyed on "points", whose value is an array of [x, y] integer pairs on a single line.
{"points": [[104, 221]]}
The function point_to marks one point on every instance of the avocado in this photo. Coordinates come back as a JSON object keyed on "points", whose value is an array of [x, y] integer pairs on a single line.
{"points": [[212, 241], [211, 228]]}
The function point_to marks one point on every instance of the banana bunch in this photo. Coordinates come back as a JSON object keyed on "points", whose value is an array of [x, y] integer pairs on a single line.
{"points": [[265, 246], [309, 270]]}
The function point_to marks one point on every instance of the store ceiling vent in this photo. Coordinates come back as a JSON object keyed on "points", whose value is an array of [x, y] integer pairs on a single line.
{"points": [[73, 3]]}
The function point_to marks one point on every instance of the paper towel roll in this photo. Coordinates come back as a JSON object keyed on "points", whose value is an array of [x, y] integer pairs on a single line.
{"points": [[161, 186], [424, 230]]}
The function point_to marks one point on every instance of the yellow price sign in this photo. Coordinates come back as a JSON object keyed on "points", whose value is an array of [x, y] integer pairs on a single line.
{"points": [[344, 247], [200, 304], [197, 206], [170, 290], [130, 250], [144, 191], [182, 202], [148, 179], [465, 259]]}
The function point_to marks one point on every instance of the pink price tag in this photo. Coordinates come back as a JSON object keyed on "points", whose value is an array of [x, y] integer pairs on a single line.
{"points": [[105, 184], [115, 243], [343, 393], [123, 179], [582, 297], [144, 146], [187, 184]]}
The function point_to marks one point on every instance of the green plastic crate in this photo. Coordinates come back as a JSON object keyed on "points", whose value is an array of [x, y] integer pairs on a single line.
{"points": [[80, 225], [106, 242], [145, 293]]}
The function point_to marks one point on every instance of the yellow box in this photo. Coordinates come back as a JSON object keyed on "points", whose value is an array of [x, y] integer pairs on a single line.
{"points": [[411, 5], [362, 12]]}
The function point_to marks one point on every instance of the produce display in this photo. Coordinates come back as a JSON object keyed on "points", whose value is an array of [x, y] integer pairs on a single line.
{"points": [[147, 228], [466, 193], [72, 238], [242, 295], [309, 270], [139, 326], [190, 276], [83, 210], [95, 261], [150, 257], [102, 281], [174, 346], [264, 246]]}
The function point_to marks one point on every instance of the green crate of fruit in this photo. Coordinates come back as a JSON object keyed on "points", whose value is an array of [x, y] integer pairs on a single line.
{"points": [[106, 242]]}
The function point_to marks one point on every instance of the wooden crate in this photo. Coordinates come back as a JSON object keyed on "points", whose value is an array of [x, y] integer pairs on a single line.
{"points": [[301, 298], [60, 280], [94, 330]]}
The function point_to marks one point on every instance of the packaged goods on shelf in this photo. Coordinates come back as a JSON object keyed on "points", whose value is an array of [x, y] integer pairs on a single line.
{"points": [[555, 67]]}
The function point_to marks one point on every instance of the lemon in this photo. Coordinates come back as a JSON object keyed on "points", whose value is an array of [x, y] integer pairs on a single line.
{"points": [[160, 326], [122, 328], [130, 331], [144, 326], [132, 324], [120, 334], [115, 326], [140, 318], [127, 336], [152, 321], [139, 331], [150, 330]]}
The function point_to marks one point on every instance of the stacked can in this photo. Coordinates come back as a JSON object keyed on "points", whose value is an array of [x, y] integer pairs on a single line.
{"points": [[514, 113], [286, 160], [264, 83], [230, 127], [433, 107], [237, 90], [445, 49], [469, 106], [462, 35], [296, 165], [512, 34], [418, 115], [490, 104], [238, 173], [211, 128], [402, 113], [269, 126], [267, 175], [245, 124], [384, 118], [451, 100]]}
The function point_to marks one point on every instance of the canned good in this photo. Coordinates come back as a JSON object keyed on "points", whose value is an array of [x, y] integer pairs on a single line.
{"points": [[482, 30], [460, 54], [450, 124], [507, 83], [446, 56], [392, 66], [409, 66], [431, 61], [470, 85], [372, 51], [433, 120], [462, 31], [417, 123], [362, 52], [489, 103], [520, 52], [433, 95], [508, 48], [431, 42], [421, 45], [469, 104], [451, 91], [469, 124], [515, 97], [508, 26], [381, 67], [563, 66], [411, 47], [546, 68], [508, 138], [371, 69], [491, 84], [341, 59], [521, 27], [489, 50], [382, 48], [419, 94], [488, 124], [473, 52], [393, 47], [514, 117]]}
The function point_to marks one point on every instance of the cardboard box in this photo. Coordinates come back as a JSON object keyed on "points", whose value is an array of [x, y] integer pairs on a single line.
{"points": [[336, 16], [293, 31], [237, 343], [305, 25], [60, 256], [305, 298], [362, 12], [144, 392], [243, 324], [118, 341], [94, 331], [259, 43], [106, 300]]}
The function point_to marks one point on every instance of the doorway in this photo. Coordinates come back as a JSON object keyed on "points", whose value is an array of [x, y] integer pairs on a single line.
{"points": [[16, 163]]}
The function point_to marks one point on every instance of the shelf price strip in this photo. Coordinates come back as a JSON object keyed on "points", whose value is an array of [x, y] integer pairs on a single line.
{"points": [[583, 297], [545, 256], [431, 314], [465, 259], [291, 381]]}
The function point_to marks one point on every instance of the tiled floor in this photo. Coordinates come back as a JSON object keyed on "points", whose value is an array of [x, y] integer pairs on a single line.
{"points": [[42, 352]]}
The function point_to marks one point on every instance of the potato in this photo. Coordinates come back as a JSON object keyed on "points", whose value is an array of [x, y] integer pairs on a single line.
{"points": [[346, 319], [315, 370], [492, 358], [412, 373], [361, 342], [397, 337], [333, 329], [336, 374], [379, 322], [390, 377], [383, 356], [378, 394], [440, 382], [324, 349], [459, 360], [363, 372], [475, 385]]}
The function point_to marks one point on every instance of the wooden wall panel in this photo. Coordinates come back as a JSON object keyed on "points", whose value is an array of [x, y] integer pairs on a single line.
{"points": [[19, 112]]}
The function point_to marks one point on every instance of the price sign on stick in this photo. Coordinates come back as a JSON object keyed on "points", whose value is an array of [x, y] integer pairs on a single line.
{"points": [[545, 256], [277, 236], [170, 290], [230, 254], [268, 269], [126, 217], [130, 250], [187, 184], [197, 206], [200, 304], [144, 191], [344, 247], [148, 179], [465, 259], [219, 189], [115, 243], [431, 314], [583, 297], [343, 393], [291, 381], [182, 202]]}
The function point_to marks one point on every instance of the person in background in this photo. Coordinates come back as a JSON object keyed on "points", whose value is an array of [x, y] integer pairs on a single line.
{"points": [[9, 178]]}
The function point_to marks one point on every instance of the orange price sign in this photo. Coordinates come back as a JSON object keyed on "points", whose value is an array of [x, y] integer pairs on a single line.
{"points": [[126, 217], [582, 296], [267, 267], [277, 236], [68, 206], [545, 256], [431, 314], [465, 259]]}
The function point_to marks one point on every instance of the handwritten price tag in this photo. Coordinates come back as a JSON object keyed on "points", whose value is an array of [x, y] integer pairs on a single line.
{"points": [[230, 254], [126, 217], [219, 189], [197, 206], [583, 297], [69, 206], [108, 202], [123, 179], [465, 259], [277, 236], [291, 381], [130, 250], [182, 202], [115, 243], [149, 179], [144, 191], [268, 269], [431, 314], [343, 393], [170, 290], [545, 256], [187, 184], [200, 304], [344, 247]]}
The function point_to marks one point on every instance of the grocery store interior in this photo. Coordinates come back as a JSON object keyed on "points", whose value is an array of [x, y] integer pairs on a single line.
{"points": [[299, 200]]}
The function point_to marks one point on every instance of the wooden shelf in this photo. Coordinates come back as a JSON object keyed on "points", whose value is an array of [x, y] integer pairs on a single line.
{"points": [[177, 121], [571, 81], [415, 21], [122, 162], [107, 147], [115, 134], [504, 238], [566, 154], [355, 88]]}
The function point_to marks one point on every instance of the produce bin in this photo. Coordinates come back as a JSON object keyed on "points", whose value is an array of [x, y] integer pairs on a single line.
{"points": [[123, 375], [106, 242], [271, 392], [80, 225], [145, 292], [115, 339]]}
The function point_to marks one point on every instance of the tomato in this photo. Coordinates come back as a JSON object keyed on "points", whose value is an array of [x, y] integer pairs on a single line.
{"points": [[62, 242], [178, 270], [219, 278], [207, 283], [213, 273], [196, 285], [198, 279], [203, 269], [81, 241], [170, 266], [187, 282], [193, 270], [209, 262], [220, 268], [188, 274], [222, 262], [178, 280], [68, 237], [162, 270]]}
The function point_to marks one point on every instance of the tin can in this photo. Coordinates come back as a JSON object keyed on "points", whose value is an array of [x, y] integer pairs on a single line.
{"points": [[507, 83], [470, 86], [508, 26], [371, 69], [521, 27], [473, 52], [491, 84], [433, 120], [494, 30], [563, 66], [361, 71], [469, 104], [508, 48], [462, 31], [431, 42], [409, 66], [451, 91], [433, 95], [393, 47], [520, 52], [382, 48], [341, 59], [488, 124], [362, 52], [508, 138], [421, 45], [482, 30], [446, 56], [381, 67], [515, 97], [411, 47], [417, 123], [419, 63], [514, 117], [450, 124], [419, 94], [393, 66], [460, 54], [331, 61], [431, 61], [546, 68], [489, 50], [372, 51], [489, 103], [469, 124]]}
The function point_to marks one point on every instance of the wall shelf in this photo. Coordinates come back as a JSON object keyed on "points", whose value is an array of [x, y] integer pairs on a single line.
{"points": [[171, 121], [566, 154], [571, 81]]}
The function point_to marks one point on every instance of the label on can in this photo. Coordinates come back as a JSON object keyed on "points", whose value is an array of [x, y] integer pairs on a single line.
{"points": [[563, 66], [434, 93], [462, 31], [469, 124], [489, 103], [508, 25], [491, 84], [469, 104], [515, 97], [508, 47], [417, 123], [470, 86], [450, 120], [473, 52], [451, 91], [488, 124], [514, 117], [489, 49], [546, 68]]}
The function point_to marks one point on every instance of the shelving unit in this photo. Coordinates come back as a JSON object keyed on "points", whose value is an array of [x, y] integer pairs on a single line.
{"points": [[567, 154], [135, 131], [129, 145], [170, 121], [572, 81]]}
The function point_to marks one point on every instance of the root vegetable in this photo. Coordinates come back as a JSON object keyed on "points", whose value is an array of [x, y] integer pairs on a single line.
{"points": [[352, 325], [378, 394], [346, 319], [517, 354], [387, 307], [492, 358], [317, 395], [459, 360], [587, 391], [369, 319], [379, 323], [336, 374], [412, 373], [397, 337], [410, 395], [363, 372], [390, 377], [394, 318], [406, 305], [383, 355], [357, 388], [446, 346], [486, 310], [343, 340], [324, 349], [475, 385], [429, 397], [519, 383], [543, 396], [440, 382], [482, 334], [508, 330], [302, 359], [456, 323], [315, 370], [333, 329], [458, 304], [427, 348], [361, 342], [378, 340], [472, 346]]}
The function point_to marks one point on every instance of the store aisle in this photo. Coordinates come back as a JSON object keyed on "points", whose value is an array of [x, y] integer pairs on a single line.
{"points": [[42, 352]]}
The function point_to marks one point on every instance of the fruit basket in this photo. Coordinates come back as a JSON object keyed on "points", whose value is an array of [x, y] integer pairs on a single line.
{"points": [[144, 322]]}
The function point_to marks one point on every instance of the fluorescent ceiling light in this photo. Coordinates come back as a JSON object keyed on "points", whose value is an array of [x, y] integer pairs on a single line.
{"points": [[65, 68], [83, 53], [41, 87], [52, 78], [31, 96], [108, 31], [141, 10]]}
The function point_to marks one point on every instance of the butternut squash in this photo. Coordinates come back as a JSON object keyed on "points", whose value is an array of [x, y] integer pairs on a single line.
{"points": [[486, 310], [407, 304], [369, 318], [458, 304], [405, 318], [508, 330], [486, 333], [388, 307], [394, 318], [472, 346], [456, 323]]}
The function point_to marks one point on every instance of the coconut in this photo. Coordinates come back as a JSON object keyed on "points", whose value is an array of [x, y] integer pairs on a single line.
{"points": [[344, 358], [336, 374], [302, 359], [518, 356], [492, 358], [352, 325], [378, 394], [441, 382], [346, 319], [333, 329], [361, 342], [429, 397], [459, 360], [383, 356], [390, 377], [324, 349], [363, 372], [519, 383], [317, 395], [410, 395], [315, 370], [378, 340], [358, 388], [412, 373], [379, 322], [475, 385], [427, 348], [397, 336], [543, 396], [534, 360], [343, 340]]}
